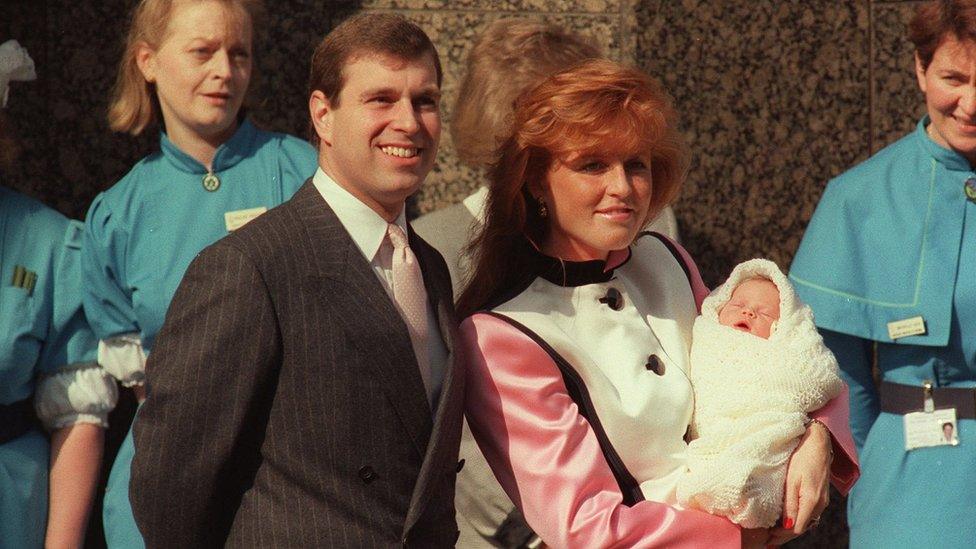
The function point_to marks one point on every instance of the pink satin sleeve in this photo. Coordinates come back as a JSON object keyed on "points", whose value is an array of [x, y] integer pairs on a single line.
{"points": [[548, 459], [835, 415]]}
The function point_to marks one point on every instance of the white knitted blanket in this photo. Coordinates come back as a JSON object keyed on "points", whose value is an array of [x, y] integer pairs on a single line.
{"points": [[752, 396]]}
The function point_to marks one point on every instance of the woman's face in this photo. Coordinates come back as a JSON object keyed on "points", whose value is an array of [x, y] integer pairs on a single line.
{"points": [[597, 203], [201, 69], [949, 85]]}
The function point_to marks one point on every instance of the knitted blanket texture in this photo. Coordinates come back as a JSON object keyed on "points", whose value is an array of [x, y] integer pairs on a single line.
{"points": [[752, 397]]}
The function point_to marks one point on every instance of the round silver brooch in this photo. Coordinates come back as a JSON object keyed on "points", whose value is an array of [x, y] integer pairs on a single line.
{"points": [[211, 182]]}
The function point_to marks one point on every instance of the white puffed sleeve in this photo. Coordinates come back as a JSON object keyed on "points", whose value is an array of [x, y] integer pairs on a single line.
{"points": [[123, 357], [83, 393]]}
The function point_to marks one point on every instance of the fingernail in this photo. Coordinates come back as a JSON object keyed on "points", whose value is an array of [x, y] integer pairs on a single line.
{"points": [[788, 523]]}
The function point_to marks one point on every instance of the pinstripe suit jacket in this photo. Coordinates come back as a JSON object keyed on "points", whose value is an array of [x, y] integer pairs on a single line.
{"points": [[286, 407]]}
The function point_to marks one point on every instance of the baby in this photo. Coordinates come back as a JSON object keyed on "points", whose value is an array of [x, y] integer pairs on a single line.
{"points": [[758, 367]]}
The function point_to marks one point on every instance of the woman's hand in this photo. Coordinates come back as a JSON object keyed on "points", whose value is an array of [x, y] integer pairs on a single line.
{"points": [[807, 484]]}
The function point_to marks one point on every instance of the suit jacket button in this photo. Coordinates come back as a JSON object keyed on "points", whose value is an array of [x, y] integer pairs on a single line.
{"points": [[460, 465], [367, 474]]}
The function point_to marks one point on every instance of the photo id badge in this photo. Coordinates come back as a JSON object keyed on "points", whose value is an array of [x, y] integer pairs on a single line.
{"points": [[936, 428]]}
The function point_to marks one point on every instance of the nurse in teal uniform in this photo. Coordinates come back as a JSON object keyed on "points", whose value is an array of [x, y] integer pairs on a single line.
{"points": [[188, 64], [47, 366], [888, 264]]}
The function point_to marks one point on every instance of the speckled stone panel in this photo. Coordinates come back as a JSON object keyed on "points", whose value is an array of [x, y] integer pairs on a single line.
{"points": [[774, 98], [543, 6], [898, 102]]}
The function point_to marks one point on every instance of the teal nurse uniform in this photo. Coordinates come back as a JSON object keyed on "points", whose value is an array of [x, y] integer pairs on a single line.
{"points": [[140, 237], [47, 358], [894, 239]]}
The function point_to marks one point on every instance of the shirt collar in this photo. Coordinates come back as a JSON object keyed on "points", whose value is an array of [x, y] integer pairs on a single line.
{"points": [[475, 203], [947, 157], [227, 155], [366, 227]]}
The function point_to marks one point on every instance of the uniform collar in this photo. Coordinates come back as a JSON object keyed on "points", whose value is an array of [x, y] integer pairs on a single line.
{"points": [[366, 227], [574, 273], [228, 154], [947, 157]]}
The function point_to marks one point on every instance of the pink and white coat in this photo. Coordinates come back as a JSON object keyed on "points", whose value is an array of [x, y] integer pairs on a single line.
{"points": [[581, 410]]}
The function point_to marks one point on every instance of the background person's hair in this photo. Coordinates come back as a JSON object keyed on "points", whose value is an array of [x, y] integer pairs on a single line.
{"points": [[362, 35], [936, 20], [134, 105], [592, 108], [509, 57]]}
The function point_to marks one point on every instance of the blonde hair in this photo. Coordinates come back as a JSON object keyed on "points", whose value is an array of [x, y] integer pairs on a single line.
{"points": [[508, 58], [134, 105]]}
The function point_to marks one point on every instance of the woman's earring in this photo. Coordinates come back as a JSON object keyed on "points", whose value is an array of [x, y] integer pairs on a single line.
{"points": [[543, 210]]}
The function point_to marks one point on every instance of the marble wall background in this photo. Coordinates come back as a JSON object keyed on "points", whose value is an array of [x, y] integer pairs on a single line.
{"points": [[777, 97]]}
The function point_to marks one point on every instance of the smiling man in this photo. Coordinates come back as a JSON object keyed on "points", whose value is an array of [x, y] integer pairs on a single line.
{"points": [[304, 392]]}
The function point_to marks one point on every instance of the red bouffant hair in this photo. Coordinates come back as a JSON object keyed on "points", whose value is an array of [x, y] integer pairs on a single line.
{"points": [[934, 21], [593, 107]]}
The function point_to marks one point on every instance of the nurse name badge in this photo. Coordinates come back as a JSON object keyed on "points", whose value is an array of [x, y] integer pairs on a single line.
{"points": [[970, 188]]}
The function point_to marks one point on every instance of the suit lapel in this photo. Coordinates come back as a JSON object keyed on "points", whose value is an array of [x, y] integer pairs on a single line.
{"points": [[371, 321]]}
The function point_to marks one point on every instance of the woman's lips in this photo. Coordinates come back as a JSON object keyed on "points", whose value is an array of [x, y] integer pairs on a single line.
{"points": [[968, 127], [616, 214], [217, 98]]}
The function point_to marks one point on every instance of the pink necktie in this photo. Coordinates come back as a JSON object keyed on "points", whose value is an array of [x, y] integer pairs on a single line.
{"points": [[410, 297]]}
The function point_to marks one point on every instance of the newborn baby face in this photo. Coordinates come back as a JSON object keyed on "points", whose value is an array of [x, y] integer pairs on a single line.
{"points": [[753, 307]]}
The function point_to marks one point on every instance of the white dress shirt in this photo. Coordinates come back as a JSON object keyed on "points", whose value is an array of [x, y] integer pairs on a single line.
{"points": [[368, 230]]}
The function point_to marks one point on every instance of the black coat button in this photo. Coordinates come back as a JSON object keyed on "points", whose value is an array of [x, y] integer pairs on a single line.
{"points": [[367, 474], [460, 465], [614, 299], [655, 364]]}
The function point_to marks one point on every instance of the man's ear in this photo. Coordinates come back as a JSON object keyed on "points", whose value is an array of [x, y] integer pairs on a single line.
{"points": [[146, 61], [322, 113]]}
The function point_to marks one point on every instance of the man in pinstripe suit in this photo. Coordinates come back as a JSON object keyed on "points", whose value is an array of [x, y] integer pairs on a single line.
{"points": [[288, 407]]}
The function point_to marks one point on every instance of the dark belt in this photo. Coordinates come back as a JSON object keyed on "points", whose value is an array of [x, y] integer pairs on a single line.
{"points": [[16, 419], [905, 399]]}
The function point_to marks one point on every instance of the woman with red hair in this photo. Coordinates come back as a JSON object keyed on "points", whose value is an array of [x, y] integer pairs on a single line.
{"points": [[579, 327]]}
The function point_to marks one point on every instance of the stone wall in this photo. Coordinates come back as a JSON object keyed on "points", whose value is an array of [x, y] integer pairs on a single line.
{"points": [[776, 97]]}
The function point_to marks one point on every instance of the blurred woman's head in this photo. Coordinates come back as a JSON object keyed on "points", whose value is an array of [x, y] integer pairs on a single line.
{"points": [[508, 58], [944, 35], [188, 62], [598, 144]]}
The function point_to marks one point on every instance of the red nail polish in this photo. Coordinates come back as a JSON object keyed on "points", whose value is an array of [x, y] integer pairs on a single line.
{"points": [[788, 523]]}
